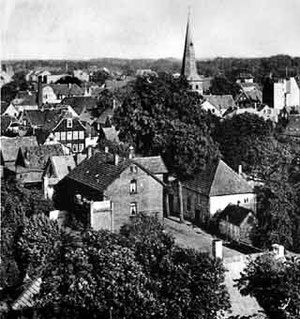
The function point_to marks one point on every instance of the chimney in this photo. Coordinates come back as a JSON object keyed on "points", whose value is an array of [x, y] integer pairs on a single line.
{"points": [[89, 151], [217, 248], [106, 149], [40, 93], [278, 250], [131, 152], [114, 104], [240, 169], [116, 159]]}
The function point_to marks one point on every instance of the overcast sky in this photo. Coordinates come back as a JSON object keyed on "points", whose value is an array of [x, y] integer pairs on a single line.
{"points": [[148, 28]]}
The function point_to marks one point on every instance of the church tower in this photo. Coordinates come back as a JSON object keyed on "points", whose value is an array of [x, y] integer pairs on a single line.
{"points": [[189, 69]]}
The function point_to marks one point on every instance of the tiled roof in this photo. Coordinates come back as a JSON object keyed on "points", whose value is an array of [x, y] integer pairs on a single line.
{"points": [[46, 119], [10, 146], [218, 179], [37, 156], [79, 103], [4, 106], [154, 164], [98, 171], [107, 113], [221, 102], [28, 99], [66, 90], [25, 300], [234, 214], [62, 165]]}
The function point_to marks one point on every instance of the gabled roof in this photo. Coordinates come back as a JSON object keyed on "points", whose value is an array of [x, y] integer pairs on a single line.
{"points": [[99, 171], [221, 102], [62, 165], [106, 113], [10, 146], [28, 99], [37, 156], [234, 214], [218, 179], [65, 89], [154, 164], [79, 103], [46, 119]]}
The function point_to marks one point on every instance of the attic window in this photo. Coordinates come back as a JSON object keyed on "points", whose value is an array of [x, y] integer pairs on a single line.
{"points": [[69, 123], [133, 169]]}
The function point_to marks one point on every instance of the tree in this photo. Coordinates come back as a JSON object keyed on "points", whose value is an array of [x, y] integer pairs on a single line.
{"points": [[275, 284], [138, 273], [160, 116], [241, 140], [221, 85]]}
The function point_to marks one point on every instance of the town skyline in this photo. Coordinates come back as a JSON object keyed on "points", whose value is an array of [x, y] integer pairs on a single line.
{"points": [[148, 30]]}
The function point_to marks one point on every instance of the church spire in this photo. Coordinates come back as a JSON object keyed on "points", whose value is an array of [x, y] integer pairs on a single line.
{"points": [[189, 68]]}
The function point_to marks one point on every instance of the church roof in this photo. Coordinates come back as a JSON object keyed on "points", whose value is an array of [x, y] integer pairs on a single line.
{"points": [[189, 68]]}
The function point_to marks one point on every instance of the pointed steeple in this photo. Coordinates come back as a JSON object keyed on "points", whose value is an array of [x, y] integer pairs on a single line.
{"points": [[189, 68]]}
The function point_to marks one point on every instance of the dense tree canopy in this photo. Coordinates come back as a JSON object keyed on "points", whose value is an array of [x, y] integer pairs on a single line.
{"points": [[139, 273], [160, 116], [275, 284]]}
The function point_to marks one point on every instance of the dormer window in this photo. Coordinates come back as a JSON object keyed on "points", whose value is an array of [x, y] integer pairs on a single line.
{"points": [[133, 186], [69, 123]]}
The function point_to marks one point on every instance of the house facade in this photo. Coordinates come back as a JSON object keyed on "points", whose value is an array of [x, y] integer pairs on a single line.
{"points": [[130, 187]]}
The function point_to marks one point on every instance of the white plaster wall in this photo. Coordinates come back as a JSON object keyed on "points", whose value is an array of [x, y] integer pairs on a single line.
{"points": [[293, 98], [279, 89], [220, 202]]}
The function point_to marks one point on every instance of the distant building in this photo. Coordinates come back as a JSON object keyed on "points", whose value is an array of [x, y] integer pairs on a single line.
{"points": [[189, 68], [9, 109], [55, 93], [245, 78], [55, 170], [218, 104], [31, 162], [292, 130], [249, 98], [81, 75], [285, 93], [9, 147]]}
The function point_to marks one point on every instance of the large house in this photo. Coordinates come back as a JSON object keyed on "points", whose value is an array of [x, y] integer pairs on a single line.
{"points": [[210, 191], [126, 185]]}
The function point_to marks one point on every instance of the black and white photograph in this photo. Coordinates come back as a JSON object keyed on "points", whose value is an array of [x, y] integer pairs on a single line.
{"points": [[150, 159]]}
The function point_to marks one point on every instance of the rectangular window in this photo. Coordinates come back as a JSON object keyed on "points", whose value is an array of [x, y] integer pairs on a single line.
{"points": [[69, 145], [81, 147], [133, 186], [57, 135], [133, 208], [81, 135], [69, 123], [75, 148], [63, 136], [69, 136], [75, 135]]}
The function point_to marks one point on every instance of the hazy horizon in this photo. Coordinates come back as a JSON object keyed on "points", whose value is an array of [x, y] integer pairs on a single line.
{"points": [[148, 29]]}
